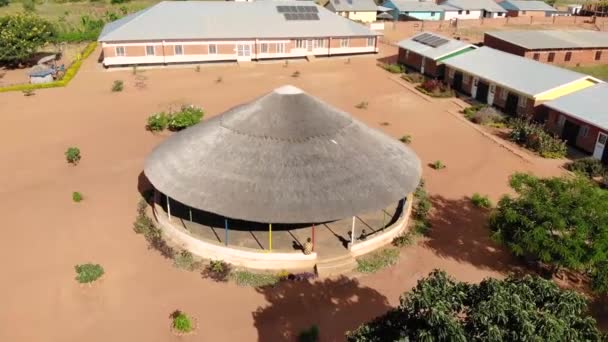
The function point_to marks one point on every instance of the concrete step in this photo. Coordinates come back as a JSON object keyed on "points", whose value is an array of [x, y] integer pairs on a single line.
{"points": [[336, 265], [311, 58]]}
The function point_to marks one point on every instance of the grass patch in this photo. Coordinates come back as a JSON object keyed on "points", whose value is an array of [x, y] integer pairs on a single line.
{"points": [[217, 270], [413, 77], [376, 261], [185, 261], [598, 71], [405, 239], [118, 86], [144, 225], [246, 278], [72, 155], [470, 112], [88, 273], [481, 201], [392, 68], [77, 196], [181, 323], [437, 165], [434, 88]]}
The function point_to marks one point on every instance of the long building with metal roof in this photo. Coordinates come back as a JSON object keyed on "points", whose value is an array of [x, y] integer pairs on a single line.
{"points": [[198, 31], [563, 47]]}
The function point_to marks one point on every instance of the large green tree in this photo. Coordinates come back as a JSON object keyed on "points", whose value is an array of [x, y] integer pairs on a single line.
{"points": [[515, 309], [562, 222], [21, 35]]}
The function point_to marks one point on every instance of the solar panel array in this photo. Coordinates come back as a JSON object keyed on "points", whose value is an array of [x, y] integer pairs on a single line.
{"points": [[299, 12], [430, 40]]}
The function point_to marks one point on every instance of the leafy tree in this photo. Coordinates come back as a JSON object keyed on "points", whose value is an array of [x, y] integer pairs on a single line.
{"points": [[559, 221], [515, 309], [4, 3], [21, 35]]}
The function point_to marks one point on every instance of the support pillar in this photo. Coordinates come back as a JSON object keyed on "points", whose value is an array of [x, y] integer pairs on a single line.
{"points": [[270, 237], [168, 208], [313, 237], [190, 212], [352, 233], [226, 231]]}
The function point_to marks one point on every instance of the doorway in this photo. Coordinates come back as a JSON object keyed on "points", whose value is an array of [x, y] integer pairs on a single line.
{"points": [[482, 92], [457, 81], [570, 132], [511, 104], [600, 144], [243, 52]]}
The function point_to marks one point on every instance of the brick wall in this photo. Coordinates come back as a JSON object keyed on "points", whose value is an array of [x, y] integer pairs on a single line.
{"points": [[577, 56], [499, 44], [586, 143]]}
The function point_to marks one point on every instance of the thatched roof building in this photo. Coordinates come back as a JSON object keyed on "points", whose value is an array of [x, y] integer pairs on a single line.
{"points": [[286, 157]]}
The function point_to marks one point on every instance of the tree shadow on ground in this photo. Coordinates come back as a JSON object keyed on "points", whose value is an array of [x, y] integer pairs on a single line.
{"points": [[388, 59], [460, 231], [599, 310], [334, 305]]}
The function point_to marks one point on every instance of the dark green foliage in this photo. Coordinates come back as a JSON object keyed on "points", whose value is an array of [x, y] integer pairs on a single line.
{"points": [[186, 117], [77, 196], [88, 29], [515, 309], [4, 3], [559, 221], [158, 122], [535, 138], [309, 335], [118, 86], [144, 225], [405, 239], [185, 260], [599, 277], [72, 155], [376, 261], [88, 273], [588, 167], [246, 278], [217, 270], [181, 322], [118, 2], [22, 35], [422, 204], [481, 201], [393, 68], [470, 112], [413, 77]]}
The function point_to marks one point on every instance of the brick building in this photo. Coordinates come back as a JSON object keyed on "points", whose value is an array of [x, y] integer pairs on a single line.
{"points": [[569, 48], [425, 52], [203, 31], [527, 8], [581, 119], [514, 84]]}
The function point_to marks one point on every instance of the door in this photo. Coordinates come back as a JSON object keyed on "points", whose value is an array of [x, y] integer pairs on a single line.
{"points": [[310, 45], [570, 132], [482, 92], [457, 81], [600, 144], [474, 87], [491, 94], [511, 104], [243, 52], [422, 65]]}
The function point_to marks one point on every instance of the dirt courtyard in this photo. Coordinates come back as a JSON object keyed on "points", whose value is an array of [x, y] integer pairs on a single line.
{"points": [[44, 234]]}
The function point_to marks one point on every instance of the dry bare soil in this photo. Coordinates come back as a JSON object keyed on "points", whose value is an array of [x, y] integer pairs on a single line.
{"points": [[44, 234]]}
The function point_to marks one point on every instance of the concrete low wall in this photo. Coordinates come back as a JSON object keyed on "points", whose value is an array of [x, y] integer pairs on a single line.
{"points": [[238, 256], [384, 239]]}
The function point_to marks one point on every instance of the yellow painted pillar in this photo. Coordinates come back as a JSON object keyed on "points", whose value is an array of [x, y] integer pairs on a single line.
{"points": [[270, 237]]}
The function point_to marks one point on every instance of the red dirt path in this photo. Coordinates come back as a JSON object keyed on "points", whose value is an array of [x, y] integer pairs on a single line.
{"points": [[44, 234]]}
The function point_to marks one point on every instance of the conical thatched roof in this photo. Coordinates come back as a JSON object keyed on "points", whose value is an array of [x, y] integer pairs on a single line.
{"points": [[285, 157]]}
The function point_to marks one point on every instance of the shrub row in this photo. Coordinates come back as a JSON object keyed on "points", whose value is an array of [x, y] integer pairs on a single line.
{"points": [[393, 68], [378, 260], [67, 77], [534, 137], [435, 88], [175, 121]]}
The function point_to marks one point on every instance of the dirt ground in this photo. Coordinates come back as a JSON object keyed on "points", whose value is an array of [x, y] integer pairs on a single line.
{"points": [[44, 234]]}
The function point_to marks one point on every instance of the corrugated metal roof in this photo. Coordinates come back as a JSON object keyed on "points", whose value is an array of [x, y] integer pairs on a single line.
{"points": [[521, 74], [526, 5], [227, 20], [416, 6], [488, 5], [451, 46], [553, 39], [352, 5], [588, 105]]}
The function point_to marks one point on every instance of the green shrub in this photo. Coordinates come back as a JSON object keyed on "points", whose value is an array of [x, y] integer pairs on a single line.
{"points": [[88, 273], [144, 225], [599, 278], [77, 196], [181, 322], [422, 204], [378, 260], [158, 122], [469, 112], [246, 278], [362, 105], [481, 201], [588, 167], [118, 86], [217, 270], [117, 2], [435, 88], [421, 227], [404, 239], [4, 3], [535, 138], [186, 117], [309, 335], [72, 155], [406, 139], [185, 261], [392, 68], [437, 165], [413, 77], [488, 116]]}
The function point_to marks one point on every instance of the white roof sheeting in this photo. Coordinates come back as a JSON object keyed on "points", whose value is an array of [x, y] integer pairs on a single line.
{"points": [[526, 5], [352, 5], [588, 105], [545, 39], [487, 5], [433, 53]]}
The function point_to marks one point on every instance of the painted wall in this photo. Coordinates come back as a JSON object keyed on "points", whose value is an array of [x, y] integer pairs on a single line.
{"points": [[448, 15], [414, 61], [585, 143], [424, 15], [535, 14], [366, 17]]}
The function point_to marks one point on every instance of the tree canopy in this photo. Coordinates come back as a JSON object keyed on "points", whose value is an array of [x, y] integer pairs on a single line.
{"points": [[559, 221], [21, 35], [515, 309]]}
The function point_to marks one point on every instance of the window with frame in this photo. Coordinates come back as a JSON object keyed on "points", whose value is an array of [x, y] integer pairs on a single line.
{"points": [[300, 44], [460, 12], [523, 12], [503, 94], [551, 57], [120, 51], [319, 43], [264, 48], [178, 49], [468, 12], [598, 55], [561, 121], [407, 54], [523, 102], [536, 56], [150, 50], [568, 56], [432, 14], [344, 42], [212, 49], [584, 132], [280, 47], [602, 138], [466, 79], [371, 41], [499, 14]]}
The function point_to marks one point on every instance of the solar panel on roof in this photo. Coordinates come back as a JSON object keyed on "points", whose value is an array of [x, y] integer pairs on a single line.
{"points": [[281, 9], [422, 37], [299, 12]]}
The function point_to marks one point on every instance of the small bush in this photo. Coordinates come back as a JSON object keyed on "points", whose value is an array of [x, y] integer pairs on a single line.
{"points": [[296, 74], [422, 204], [77, 196], [309, 335], [88, 273], [435, 88], [219, 79], [588, 167], [378, 260], [362, 105], [385, 123], [437, 165], [29, 92], [488, 116], [217, 270], [117, 2], [406, 139], [413, 77], [535, 138], [185, 261], [481, 201], [181, 322], [404, 239], [246, 278], [197, 68], [393, 68], [421, 227], [469, 112], [144, 225], [117, 86], [186, 117], [72, 155], [158, 122]]}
